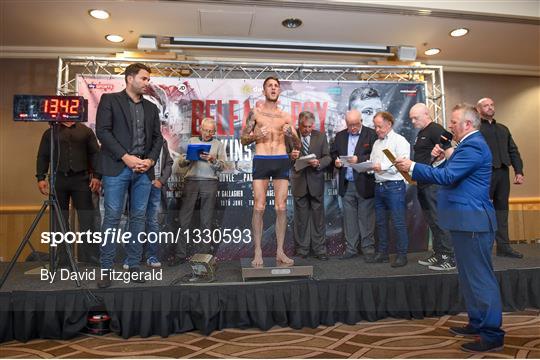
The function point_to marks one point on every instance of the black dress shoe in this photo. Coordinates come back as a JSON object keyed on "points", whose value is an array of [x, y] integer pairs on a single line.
{"points": [[482, 346], [511, 253], [401, 260], [322, 257], [105, 281], [463, 331], [378, 258], [136, 275], [346, 256]]}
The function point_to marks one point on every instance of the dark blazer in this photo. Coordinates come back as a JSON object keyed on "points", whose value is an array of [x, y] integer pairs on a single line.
{"points": [[310, 179], [114, 131], [463, 201], [365, 183]]}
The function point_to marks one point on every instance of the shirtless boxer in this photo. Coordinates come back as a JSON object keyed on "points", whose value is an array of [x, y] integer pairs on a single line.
{"points": [[268, 126]]}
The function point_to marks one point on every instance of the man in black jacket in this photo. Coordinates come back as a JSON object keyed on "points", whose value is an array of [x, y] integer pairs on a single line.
{"points": [[128, 127], [307, 187], [505, 153], [356, 189], [429, 136], [75, 165]]}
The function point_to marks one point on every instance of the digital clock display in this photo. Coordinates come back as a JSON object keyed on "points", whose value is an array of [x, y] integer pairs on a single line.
{"points": [[49, 108]]}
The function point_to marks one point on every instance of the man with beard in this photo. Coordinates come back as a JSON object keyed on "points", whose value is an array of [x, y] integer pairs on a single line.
{"points": [[505, 153], [268, 126], [129, 130]]}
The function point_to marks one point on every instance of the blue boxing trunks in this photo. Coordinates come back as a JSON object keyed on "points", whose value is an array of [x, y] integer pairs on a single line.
{"points": [[271, 166]]}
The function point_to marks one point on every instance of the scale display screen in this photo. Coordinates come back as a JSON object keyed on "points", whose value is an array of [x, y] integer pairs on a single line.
{"points": [[49, 108]]}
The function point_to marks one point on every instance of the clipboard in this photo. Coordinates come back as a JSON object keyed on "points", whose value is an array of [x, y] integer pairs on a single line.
{"points": [[405, 175], [194, 151]]}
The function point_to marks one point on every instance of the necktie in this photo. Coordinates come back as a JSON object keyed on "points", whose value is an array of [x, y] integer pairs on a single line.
{"points": [[305, 146]]}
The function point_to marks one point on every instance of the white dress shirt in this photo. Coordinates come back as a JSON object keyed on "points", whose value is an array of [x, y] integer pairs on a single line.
{"points": [[399, 146]]}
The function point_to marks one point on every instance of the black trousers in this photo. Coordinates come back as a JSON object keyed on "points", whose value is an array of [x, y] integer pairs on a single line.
{"points": [[499, 192], [427, 197], [76, 187]]}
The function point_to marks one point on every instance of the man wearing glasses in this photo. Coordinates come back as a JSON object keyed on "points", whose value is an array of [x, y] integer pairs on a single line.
{"points": [[201, 183]]}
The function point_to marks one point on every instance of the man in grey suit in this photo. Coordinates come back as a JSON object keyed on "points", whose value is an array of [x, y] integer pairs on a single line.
{"points": [[356, 189], [307, 186]]}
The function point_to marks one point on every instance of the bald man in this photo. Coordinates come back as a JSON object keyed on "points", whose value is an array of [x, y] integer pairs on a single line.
{"points": [[505, 153], [428, 137]]}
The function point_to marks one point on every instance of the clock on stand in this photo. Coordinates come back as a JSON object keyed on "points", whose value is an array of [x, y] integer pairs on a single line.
{"points": [[53, 109]]}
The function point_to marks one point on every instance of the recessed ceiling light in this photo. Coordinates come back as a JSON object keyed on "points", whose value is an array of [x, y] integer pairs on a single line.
{"points": [[459, 32], [291, 23], [114, 38], [432, 51], [99, 14]]}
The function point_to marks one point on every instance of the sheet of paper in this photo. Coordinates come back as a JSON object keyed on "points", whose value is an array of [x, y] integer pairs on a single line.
{"points": [[363, 166], [303, 162], [346, 160]]}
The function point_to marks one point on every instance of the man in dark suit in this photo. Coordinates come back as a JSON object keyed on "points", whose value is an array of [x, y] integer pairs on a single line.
{"points": [[129, 130], [307, 186], [356, 189], [505, 153], [467, 212]]}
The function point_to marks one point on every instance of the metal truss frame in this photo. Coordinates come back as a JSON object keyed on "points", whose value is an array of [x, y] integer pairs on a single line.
{"points": [[431, 75]]}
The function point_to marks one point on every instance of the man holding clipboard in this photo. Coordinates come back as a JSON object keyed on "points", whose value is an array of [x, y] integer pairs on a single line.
{"points": [[389, 189], [205, 158]]}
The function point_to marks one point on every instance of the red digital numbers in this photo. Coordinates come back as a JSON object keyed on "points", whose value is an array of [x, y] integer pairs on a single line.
{"points": [[64, 106], [74, 108]]}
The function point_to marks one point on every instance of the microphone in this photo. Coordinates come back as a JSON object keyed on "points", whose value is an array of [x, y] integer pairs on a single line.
{"points": [[445, 141]]}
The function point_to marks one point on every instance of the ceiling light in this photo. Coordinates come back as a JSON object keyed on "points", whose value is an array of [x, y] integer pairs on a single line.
{"points": [[459, 32], [432, 51], [114, 38], [291, 23], [99, 14]]}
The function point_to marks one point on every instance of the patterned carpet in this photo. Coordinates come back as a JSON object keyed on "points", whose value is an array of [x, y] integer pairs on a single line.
{"points": [[427, 338]]}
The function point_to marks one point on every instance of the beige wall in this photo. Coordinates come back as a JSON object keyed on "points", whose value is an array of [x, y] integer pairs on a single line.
{"points": [[517, 105], [517, 100], [19, 141]]}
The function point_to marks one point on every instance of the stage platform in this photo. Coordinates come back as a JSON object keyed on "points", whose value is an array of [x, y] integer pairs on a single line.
{"points": [[346, 291]]}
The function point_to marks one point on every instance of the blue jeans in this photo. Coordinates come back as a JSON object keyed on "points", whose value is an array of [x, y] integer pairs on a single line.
{"points": [[152, 221], [390, 202], [116, 188]]}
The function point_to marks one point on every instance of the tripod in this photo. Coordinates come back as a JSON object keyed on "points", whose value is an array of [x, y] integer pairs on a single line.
{"points": [[55, 214]]}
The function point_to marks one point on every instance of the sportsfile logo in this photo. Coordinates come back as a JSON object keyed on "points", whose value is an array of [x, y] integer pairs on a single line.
{"points": [[119, 236]]}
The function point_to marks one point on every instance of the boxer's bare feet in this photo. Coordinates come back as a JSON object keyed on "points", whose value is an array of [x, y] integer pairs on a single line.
{"points": [[257, 259], [284, 259]]}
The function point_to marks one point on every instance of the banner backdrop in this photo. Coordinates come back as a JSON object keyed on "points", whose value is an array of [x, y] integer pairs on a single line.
{"points": [[184, 102]]}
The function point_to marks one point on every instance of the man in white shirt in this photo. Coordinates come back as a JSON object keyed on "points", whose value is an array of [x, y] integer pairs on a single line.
{"points": [[389, 189]]}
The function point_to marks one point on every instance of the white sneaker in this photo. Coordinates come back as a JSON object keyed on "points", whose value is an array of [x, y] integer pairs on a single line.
{"points": [[432, 260], [446, 263]]}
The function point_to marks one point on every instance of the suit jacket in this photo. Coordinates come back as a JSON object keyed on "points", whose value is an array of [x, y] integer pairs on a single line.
{"points": [[114, 131], [463, 201], [365, 183], [311, 180]]}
